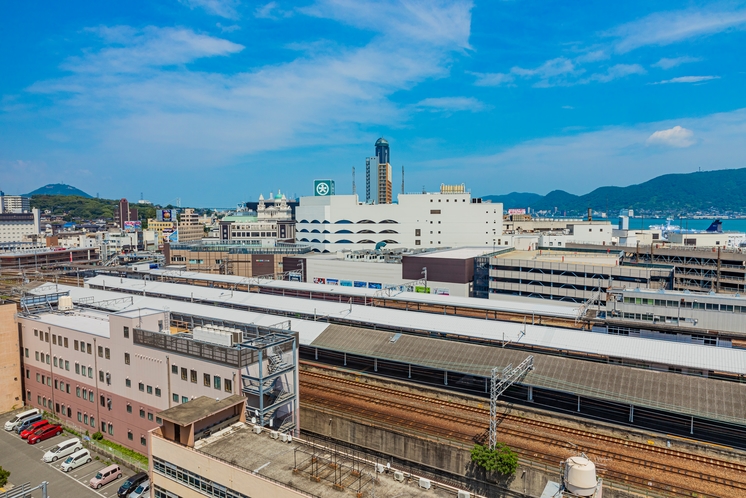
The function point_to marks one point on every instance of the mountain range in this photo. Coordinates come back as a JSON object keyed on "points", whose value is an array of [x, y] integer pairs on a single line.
{"points": [[703, 191]]}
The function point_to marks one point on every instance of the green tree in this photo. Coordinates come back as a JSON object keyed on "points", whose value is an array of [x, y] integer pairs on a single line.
{"points": [[502, 459], [4, 475]]}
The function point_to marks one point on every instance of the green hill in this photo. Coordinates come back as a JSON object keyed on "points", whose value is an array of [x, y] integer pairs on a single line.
{"points": [[721, 190], [76, 207], [59, 189]]}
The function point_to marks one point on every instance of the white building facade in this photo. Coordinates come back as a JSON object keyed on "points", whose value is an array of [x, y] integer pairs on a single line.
{"points": [[19, 227], [341, 222]]}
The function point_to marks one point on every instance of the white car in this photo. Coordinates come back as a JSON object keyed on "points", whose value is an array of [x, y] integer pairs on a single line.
{"points": [[19, 418], [63, 449], [142, 491], [80, 457]]}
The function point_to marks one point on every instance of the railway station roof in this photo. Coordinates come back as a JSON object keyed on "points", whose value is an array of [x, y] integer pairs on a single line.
{"points": [[504, 303], [648, 351], [702, 397]]}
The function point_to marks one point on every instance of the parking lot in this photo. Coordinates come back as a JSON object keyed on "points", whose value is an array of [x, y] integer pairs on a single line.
{"points": [[26, 465]]}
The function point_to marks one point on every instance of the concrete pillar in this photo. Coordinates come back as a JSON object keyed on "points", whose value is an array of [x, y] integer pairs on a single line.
{"points": [[446, 378], [316, 353], [409, 376], [375, 364], [632, 414], [578, 403], [691, 427], [530, 393], [345, 359]]}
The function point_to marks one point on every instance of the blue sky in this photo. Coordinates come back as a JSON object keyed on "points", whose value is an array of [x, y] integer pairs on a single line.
{"points": [[215, 101]]}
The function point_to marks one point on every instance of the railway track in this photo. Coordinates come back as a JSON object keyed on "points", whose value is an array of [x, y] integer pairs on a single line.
{"points": [[523, 435]]}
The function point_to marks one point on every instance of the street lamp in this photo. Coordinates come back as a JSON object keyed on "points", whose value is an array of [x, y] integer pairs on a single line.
{"points": [[424, 272]]}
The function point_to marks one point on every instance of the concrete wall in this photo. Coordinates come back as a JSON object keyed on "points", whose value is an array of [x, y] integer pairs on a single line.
{"points": [[11, 396]]}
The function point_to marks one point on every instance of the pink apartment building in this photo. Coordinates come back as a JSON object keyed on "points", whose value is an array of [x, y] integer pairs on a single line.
{"points": [[112, 372]]}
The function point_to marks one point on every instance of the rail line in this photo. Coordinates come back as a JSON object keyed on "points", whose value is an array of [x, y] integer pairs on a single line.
{"points": [[523, 435], [545, 425]]}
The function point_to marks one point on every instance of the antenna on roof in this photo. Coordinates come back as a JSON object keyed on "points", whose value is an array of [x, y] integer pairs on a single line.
{"points": [[354, 189], [402, 179]]}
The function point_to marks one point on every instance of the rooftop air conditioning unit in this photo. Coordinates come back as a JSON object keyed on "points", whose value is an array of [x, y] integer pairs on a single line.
{"points": [[290, 438], [424, 483], [399, 476], [380, 468], [284, 438], [463, 494], [257, 429], [274, 434]]}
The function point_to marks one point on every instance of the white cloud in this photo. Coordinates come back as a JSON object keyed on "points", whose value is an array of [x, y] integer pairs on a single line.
{"points": [[665, 28], [130, 50], [672, 137], [581, 161], [554, 71], [270, 10], [137, 102], [666, 63], [451, 104], [615, 72], [221, 8], [594, 56], [687, 79]]}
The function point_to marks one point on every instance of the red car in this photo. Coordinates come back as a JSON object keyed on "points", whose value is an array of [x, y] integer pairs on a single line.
{"points": [[33, 428], [45, 433]]}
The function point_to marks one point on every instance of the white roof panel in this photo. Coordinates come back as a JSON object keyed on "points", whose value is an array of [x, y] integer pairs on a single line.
{"points": [[706, 358]]}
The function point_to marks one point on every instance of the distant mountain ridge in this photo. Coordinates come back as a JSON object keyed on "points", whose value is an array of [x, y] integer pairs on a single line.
{"points": [[722, 190], [59, 189]]}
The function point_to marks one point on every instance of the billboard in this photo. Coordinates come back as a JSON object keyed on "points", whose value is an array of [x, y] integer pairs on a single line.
{"points": [[323, 187], [132, 226], [165, 214], [516, 211]]}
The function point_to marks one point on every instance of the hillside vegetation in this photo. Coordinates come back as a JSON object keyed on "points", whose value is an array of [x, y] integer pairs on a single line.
{"points": [[722, 191]]}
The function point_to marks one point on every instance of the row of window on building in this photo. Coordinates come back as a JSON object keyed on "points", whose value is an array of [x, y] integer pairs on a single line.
{"points": [[192, 480], [206, 378], [728, 308]]}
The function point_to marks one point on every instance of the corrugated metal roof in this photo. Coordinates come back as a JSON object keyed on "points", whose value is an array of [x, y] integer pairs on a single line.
{"points": [[702, 397], [692, 356]]}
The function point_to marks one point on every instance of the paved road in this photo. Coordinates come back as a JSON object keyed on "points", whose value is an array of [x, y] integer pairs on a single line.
{"points": [[25, 464]]}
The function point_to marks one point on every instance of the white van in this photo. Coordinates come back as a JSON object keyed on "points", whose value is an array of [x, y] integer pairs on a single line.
{"points": [[19, 418], [80, 457], [63, 449]]}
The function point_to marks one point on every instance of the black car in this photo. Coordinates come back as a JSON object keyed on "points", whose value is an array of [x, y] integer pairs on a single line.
{"points": [[131, 483]]}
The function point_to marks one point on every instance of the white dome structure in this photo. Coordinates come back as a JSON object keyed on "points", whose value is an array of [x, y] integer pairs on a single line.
{"points": [[580, 476]]}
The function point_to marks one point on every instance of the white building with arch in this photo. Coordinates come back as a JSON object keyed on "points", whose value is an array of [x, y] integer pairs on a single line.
{"points": [[443, 219]]}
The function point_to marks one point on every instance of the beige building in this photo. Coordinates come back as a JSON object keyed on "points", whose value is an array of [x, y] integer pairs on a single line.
{"points": [[206, 448], [162, 229], [10, 360], [190, 228], [231, 258]]}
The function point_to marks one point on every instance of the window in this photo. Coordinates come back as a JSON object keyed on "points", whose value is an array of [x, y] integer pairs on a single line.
{"points": [[69, 412], [207, 379], [129, 435], [90, 372], [158, 420], [80, 417], [55, 361], [85, 418], [150, 390], [46, 336], [127, 382], [183, 373], [184, 399], [101, 375], [37, 355], [49, 381], [127, 335], [103, 427], [435, 211], [36, 332], [28, 373], [129, 408], [37, 377], [111, 429], [77, 392], [93, 421], [77, 368], [216, 381], [54, 339], [107, 353], [88, 348], [143, 441], [194, 376], [176, 398], [25, 352], [103, 400], [67, 365], [47, 358], [75, 345], [417, 232], [150, 416], [55, 383], [228, 386], [126, 358], [174, 369], [66, 342], [158, 391], [142, 413], [100, 352], [141, 386]]}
